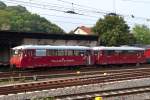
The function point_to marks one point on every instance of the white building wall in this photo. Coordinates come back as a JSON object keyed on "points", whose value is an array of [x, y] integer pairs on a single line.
{"points": [[29, 41], [79, 31]]}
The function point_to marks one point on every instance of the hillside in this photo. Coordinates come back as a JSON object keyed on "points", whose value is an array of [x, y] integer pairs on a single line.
{"points": [[18, 18]]}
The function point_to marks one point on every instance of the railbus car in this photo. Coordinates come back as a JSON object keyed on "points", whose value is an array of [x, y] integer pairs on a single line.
{"points": [[32, 56], [118, 55], [147, 55]]}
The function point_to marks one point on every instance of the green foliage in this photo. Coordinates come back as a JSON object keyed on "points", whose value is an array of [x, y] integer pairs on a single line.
{"points": [[19, 9], [17, 18], [113, 30], [142, 34], [2, 5]]}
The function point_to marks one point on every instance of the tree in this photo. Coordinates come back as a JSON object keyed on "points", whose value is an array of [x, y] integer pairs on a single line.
{"points": [[142, 34], [113, 30], [18, 18], [2, 5], [19, 9]]}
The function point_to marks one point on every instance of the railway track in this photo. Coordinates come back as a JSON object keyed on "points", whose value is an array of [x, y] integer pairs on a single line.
{"points": [[15, 76], [101, 69], [74, 81], [104, 94]]}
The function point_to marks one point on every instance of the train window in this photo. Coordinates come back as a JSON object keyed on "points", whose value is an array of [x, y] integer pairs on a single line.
{"points": [[60, 53], [30, 53], [109, 52], [16, 52], [51, 53], [65, 52], [25, 53], [88, 52], [75, 52], [70, 52], [132, 52], [118, 51], [124, 52], [96, 52], [142, 52], [79, 53], [82, 53], [40, 52]]}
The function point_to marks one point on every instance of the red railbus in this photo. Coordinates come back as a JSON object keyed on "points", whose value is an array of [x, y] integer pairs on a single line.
{"points": [[32, 56], [118, 55], [147, 55]]}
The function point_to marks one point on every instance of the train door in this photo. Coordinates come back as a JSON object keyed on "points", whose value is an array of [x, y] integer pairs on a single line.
{"points": [[102, 57], [88, 57]]}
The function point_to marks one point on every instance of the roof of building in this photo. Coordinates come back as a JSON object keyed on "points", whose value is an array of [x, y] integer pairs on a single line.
{"points": [[13, 37], [88, 30]]}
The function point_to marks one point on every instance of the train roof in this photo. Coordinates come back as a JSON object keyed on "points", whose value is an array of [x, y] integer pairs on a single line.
{"points": [[51, 47], [118, 48]]}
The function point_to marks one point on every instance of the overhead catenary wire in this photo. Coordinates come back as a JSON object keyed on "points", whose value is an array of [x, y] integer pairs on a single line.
{"points": [[41, 6], [63, 16], [103, 13], [45, 7], [106, 12], [87, 19]]}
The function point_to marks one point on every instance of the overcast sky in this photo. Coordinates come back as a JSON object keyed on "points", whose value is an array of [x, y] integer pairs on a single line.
{"points": [[88, 11]]}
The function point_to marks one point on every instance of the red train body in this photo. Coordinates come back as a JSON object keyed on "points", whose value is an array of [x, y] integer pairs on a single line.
{"points": [[147, 55], [32, 56], [119, 55], [48, 56]]}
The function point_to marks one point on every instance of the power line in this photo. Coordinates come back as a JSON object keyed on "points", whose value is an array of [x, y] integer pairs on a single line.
{"points": [[114, 2], [73, 22], [36, 5], [62, 16], [81, 5], [69, 17], [44, 7]]}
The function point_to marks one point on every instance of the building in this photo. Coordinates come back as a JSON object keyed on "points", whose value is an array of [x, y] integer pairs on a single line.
{"points": [[83, 31], [10, 39]]}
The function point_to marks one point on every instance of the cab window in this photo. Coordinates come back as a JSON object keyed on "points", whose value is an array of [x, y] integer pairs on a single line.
{"points": [[16, 52]]}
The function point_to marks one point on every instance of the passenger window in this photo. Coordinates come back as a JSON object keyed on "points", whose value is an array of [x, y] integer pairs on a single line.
{"points": [[132, 52], [109, 52], [75, 53], [70, 52], [124, 52], [60, 53], [96, 52], [40, 52], [51, 53], [82, 53]]}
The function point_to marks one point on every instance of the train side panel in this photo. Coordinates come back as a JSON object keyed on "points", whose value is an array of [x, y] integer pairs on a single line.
{"points": [[33, 62], [33, 58], [147, 55], [119, 56]]}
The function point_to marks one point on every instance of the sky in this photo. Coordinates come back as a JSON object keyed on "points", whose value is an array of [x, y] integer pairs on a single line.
{"points": [[87, 12]]}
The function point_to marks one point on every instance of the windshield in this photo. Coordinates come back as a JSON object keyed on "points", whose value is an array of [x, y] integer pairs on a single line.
{"points": [[16, 52]]}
